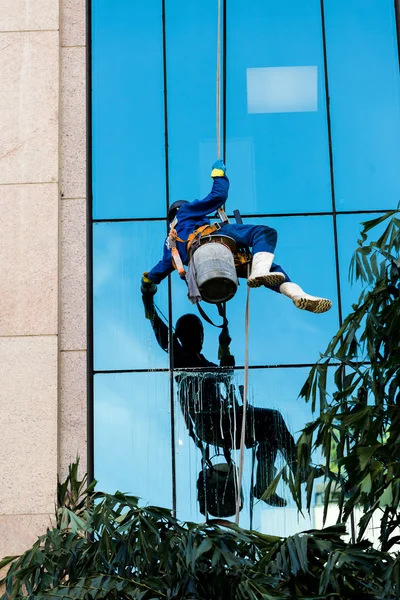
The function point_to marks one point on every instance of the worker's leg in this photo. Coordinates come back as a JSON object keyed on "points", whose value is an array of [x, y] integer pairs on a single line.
{"points": [[267, 448], [303, 300], [265, 473], [300, 298], [268, 424], [262, 240], [259, 238], [270, 430]]}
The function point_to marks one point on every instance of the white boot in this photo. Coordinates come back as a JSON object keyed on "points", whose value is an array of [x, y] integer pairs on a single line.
{"points": [[304, 301], [260, 271]]}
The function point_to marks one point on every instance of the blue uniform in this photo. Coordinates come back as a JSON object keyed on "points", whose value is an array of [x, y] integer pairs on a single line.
{"points": [[193, 215]]}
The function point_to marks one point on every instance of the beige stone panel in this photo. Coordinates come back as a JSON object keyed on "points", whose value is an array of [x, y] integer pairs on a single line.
{"points": [[18, 533], [28, 425], [72, 435], [29, 71], [73, 275], [28, 15], [73, 122], [28, 259], [73, 23]]}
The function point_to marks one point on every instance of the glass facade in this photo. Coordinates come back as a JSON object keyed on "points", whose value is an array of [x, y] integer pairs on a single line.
{"points": [[311, 138]]}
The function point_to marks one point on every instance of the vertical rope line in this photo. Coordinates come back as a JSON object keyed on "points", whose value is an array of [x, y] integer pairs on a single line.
{"points": [[223, 79], [245, 394], [218, 82]]}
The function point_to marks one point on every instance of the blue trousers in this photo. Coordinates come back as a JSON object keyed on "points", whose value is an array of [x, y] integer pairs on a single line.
{"points": [[259, 238]]}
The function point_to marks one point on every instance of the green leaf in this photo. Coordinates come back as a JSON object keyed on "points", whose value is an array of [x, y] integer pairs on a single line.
{"points": [[205, 546], [365, 454], [366, 484], [386, 499], [7, 560]]}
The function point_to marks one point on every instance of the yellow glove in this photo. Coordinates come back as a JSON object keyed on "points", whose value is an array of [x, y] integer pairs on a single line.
{"points": [[145, 279], [148, 287], [218, 169]]}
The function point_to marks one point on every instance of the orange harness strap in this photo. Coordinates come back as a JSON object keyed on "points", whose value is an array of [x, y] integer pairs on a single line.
{"points": [[203, 230], [173, 238]]}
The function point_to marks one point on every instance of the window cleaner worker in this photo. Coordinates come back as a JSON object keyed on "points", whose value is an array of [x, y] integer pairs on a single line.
{"points": [[187, 217]]}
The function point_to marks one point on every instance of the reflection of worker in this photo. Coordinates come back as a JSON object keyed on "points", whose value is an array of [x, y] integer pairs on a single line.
{"points": [[187, 217], [209, 402]]}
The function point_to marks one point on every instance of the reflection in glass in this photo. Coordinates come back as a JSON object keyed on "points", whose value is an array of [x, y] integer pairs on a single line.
{"points": [[122, 335], [132, 435], [128, 110], [282, 89], [277, 161], [363, 72], [208, 423]]}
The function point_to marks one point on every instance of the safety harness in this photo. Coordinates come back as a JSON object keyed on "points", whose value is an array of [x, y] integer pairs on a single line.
{"points": [[242, 256], [192, 242]]}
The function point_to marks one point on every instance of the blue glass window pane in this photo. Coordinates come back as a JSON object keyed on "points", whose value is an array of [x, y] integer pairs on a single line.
{"points": [[275, 389], [280, 333], [277, 149], [349, 228], [132, 435], [191, 85], [128, 110], [123, 338], [363, 72]]}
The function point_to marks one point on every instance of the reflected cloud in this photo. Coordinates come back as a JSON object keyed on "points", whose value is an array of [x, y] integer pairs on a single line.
{"points": [[282, 89]]}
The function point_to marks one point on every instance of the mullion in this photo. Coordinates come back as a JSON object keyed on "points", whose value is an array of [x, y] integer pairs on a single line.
{"points": [[397, 17], [89, 246], [256, 215], [207, 369], [170, 353], [331, 165]]}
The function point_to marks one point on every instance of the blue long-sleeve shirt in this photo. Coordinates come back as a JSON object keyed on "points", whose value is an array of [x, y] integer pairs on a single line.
{"points": [[190, 217]]}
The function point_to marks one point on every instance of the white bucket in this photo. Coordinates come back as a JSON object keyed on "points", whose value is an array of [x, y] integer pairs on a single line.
{"points": [[215, 272]]}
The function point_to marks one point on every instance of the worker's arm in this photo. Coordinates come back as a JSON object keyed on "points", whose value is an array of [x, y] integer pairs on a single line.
{"points": [[159, 327], [226, 359], [215, 199], [163, 268]]}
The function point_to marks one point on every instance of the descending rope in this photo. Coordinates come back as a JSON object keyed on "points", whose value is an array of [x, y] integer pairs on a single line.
{"points": [[218, 86], [247, 318], [245, 394]]}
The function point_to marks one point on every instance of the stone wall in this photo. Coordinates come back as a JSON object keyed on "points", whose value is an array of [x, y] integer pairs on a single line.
{"points": [[42, 259]]}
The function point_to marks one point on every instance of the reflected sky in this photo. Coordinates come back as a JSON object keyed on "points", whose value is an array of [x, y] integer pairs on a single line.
{"points": [[132, 438], [191, 73], [364, 87], [128, 110], [278, 161], [277, 130]]}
